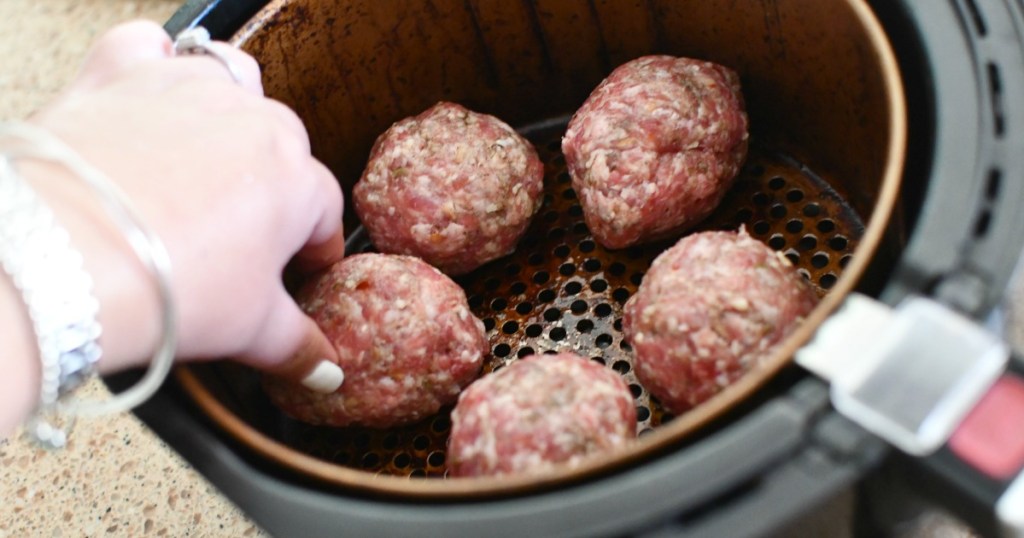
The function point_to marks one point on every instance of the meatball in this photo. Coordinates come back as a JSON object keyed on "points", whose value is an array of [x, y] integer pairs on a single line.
{"points": [[407, 342], [655, 147], [454, 187], [539, 412], [708, 310]]}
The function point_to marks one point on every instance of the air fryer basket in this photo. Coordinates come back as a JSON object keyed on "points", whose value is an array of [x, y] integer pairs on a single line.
{"points": [[828, 136]]}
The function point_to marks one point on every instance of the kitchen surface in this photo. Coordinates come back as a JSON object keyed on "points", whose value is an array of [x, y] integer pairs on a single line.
{"points": [[117, 478]]}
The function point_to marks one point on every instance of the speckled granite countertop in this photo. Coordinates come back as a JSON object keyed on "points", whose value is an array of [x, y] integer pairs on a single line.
{"points": [[116, 478]]}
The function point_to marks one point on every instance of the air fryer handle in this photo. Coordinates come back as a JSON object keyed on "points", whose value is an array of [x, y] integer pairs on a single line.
{"points": [[939, 387]]}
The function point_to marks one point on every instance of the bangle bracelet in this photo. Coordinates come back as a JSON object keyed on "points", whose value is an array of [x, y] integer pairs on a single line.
{"points": [[36, 253]]}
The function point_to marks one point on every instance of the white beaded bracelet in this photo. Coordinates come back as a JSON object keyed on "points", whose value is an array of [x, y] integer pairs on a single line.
{"points": [[36, 254]]}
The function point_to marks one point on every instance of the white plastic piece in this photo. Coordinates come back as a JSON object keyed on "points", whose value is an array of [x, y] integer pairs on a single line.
{"points": [[1010, 509], [909, 374], [838, 348]]}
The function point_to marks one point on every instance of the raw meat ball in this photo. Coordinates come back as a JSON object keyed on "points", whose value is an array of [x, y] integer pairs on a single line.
{"points": [[655, 147], [539, 412], [710, 308], [406, 337], [451, 186]]}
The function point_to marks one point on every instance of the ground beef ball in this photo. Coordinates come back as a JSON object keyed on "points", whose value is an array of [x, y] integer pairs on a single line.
{"points": [[406, 338], [451, 186], [708, 310], [655, 147], [539, 412]]}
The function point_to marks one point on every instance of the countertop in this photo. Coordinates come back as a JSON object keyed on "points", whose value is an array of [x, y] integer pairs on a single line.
{"points": [[116, 478]]}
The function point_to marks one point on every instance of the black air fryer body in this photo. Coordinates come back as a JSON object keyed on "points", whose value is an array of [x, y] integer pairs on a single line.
{"points": [[787, 452]]}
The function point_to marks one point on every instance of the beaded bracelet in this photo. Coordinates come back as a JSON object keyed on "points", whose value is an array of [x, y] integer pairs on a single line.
{"points": [[36, 254]]}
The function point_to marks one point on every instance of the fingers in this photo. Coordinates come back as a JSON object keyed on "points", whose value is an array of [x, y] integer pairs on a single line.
{"points": [[124, 47], [291, 122], [326, 244], [315, 257], [293, 347], [313, 364], [133, 44]]}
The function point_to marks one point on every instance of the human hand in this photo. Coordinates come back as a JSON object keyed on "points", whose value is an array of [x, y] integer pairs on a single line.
{"points": [[225, 178]]}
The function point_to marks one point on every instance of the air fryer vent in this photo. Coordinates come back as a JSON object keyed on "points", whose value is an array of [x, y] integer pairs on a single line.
{"points": [[976, 18]]}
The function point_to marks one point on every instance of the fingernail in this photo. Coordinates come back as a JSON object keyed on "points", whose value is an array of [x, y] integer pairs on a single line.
{"points": [[325, 378]]}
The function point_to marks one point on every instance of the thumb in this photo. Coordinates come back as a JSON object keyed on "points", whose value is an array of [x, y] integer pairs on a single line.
{"points": [[293, 347]]}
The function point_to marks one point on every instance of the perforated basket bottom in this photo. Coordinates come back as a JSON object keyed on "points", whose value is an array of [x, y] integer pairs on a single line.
{"points": [[561, 291]]}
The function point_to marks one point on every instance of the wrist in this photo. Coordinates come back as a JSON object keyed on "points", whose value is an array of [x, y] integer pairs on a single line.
{"points": [[49, 271], [128, 303], [20, 382]]}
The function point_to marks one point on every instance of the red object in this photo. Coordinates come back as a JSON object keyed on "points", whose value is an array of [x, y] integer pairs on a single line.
{"points": [[655, 147], [710, 309], [537, 413], [406, 339], [452, 186], [991, 438]]}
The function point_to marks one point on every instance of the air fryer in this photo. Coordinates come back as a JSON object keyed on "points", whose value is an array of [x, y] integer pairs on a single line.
{"points": [[882, 163]]}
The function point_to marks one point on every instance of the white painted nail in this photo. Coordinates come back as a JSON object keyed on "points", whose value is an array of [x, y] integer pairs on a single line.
{"points": [[325, 378]]}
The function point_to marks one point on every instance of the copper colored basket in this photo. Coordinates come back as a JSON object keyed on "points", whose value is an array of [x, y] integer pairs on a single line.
{"points": [[820, 184]]}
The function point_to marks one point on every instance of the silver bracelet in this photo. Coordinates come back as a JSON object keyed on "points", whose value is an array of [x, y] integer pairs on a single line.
{"points": [[35, 252]]}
